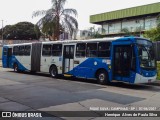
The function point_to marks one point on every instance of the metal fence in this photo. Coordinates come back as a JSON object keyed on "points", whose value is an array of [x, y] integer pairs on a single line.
{"points": [[157, 50]]}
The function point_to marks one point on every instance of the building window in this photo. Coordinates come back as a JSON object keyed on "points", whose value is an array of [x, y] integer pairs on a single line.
{"points": [[137, 21], [110, 25]]}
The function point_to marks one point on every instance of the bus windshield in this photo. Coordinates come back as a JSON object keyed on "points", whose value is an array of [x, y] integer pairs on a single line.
{"points": [[146, 54]]}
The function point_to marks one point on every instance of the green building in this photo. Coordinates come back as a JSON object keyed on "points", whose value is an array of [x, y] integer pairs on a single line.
{"points": [[135, 20]]}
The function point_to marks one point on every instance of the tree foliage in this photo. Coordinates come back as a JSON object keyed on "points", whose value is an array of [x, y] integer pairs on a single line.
{"points": [[95, 33], [56, 19], [49, 29], [126, 31], [21, 31], [154, 33]]}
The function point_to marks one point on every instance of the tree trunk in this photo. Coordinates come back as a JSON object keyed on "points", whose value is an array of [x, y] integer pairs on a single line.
{"points": [[57, 30]]}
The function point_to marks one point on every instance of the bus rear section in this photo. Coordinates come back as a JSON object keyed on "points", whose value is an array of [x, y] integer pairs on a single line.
{"points": [[7, 57], [17, 57]]}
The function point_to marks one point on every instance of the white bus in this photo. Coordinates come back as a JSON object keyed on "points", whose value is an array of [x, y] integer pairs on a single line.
{"points": [[127, 59]]}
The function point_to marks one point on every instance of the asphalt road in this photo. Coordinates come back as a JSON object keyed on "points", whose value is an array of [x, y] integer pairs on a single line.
{"points": [[40, 92]]}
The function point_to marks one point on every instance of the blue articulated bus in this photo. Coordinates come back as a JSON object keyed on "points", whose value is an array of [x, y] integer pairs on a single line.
{"points": [[126, 59]]}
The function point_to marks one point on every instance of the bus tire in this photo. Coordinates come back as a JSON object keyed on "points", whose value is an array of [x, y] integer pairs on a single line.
{"points": [[53, 71], [102, 77]]}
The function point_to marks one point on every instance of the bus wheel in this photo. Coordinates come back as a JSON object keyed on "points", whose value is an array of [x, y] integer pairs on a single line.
{"points": [[53, 71], [102, 77], [16, 68]]}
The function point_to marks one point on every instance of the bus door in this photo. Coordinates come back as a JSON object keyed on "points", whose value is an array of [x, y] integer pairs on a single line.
{"points": [[122, 59], [7, 53], [68, 58]]}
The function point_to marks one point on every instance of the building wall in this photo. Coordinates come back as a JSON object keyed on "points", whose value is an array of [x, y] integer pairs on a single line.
{"points": [[148, 9], [133, 25]]}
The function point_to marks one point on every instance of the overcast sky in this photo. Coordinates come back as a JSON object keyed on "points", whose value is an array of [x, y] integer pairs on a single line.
{"points": [[14, 11]]}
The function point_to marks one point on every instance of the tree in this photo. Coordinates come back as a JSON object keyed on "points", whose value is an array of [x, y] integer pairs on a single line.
{"points": [[92, 29], [154, 33], [126, 31], [95, 33], [158, 21], [59, 17], [49, 30], [21, 31]]}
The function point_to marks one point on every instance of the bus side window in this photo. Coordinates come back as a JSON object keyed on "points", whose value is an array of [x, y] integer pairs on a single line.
{"points": [[15, 50], [21, 50], [57, 50], [92, 50], [27, 50], [81, 50], [4, 51], [46, 51], [104, 49]]}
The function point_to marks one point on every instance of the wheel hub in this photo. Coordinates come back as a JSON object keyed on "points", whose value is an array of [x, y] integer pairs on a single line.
{"points": [[101, 77]]}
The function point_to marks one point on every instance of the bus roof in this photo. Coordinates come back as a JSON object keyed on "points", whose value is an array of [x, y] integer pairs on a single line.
{"points": [[77, 41], [18, 44], [68, 41], [89, 40]]}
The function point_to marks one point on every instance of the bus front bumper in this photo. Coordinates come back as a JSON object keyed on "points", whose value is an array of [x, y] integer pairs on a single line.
{"points": [[141, 79]]}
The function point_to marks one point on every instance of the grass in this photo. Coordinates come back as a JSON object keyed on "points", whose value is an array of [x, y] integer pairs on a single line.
{"points": [[158, 70]]}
